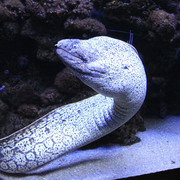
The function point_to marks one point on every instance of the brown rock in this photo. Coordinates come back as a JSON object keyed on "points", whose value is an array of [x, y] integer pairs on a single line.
{"points": [[24, 94], [82, 8], [13, 123], [67, 82], [163, 24], [3, 110], [13, 7], [87, 26], [10, 30], [3, 106], [47, 54], [141, 7], [12, 4], [50, 96], [35, 9], [28, 110]]}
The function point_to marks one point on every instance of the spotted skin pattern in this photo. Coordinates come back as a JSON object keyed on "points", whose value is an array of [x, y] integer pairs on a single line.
{"points": [[109, 66]]}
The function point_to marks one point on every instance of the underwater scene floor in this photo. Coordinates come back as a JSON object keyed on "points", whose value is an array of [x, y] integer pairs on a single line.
{"points": [[159, 150]]}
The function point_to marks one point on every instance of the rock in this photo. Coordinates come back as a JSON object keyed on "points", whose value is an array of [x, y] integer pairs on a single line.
{"points": [[163, 24], [171, 6], [13, 123], [46, 55], [67, 82], [88, 26], [11, 9], [10, 125], [141, 8], [24, 94], [28, 110], [14, 5], [6, 14], [3, 110], [35, 9], [11, 29], [80, 8], [3, 106], [50, 96]]}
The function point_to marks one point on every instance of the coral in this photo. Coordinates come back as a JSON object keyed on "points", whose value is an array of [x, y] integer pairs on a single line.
{"points": [[82, 8], [3, 106], [52, 9], [117, 7], [9, 30], [19, 94], [172, 6], [3, 110], [35, 9], [46, 54], [14, 4], [13, 123], [10, 13], [50, 96], [141, 8], [67, 82], [48, 12], [5, 14], [163, 24], [87, 26], [11, 9], [53, 13], [28, 110], [25, 94], [125, 15]]}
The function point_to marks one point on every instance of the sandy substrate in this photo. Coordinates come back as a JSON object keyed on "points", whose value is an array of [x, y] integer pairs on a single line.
{"points": [[158, 150]]}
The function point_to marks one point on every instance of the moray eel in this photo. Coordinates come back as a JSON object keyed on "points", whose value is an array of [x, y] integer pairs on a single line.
{"points": [[109, 66]]}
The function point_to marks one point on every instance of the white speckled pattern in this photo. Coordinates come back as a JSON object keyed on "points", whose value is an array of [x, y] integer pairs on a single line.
{"points": [[112, 68]]}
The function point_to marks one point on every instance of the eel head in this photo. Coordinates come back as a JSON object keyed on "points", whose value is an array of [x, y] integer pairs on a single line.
{"points": [[107, 65]]}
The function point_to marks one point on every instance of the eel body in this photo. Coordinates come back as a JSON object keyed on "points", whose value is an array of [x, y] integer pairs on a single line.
{"points": [[109, 66]]}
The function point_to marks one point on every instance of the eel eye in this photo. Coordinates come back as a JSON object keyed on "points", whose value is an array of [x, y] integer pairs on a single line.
{"points": [[125, 67], [75, 46]]}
